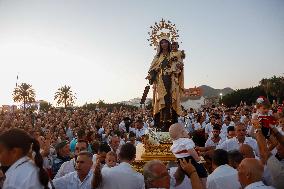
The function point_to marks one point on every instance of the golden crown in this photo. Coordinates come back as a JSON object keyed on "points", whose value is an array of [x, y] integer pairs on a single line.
{"points": [[162, 30]]}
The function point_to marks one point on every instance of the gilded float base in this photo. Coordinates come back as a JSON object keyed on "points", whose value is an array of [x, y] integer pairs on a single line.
{"points": [[147, 152]]}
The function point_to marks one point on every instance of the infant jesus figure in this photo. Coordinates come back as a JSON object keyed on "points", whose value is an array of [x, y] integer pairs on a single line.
{"points": [[183, 148], [177, 58]]}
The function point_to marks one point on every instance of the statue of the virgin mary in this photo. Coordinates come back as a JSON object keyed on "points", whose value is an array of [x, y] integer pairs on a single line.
{"points": [[168, 84]]}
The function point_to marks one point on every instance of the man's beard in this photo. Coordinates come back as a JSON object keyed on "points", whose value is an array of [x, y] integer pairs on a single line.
{"points": [[215, 136]]}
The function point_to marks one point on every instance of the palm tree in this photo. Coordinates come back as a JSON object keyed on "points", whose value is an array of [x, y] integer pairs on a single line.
{"points": [[65, 96], [24, 93]]}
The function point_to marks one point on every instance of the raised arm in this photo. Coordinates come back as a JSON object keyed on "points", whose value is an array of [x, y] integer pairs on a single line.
{"points": [[97, 178], [192, 173], [261, 141]]}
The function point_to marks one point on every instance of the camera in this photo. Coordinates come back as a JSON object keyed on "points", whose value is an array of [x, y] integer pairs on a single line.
{"points": [[265, 122]]}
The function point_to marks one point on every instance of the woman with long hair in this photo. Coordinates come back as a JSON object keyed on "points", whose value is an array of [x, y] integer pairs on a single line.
{"points": [[15, 145]]}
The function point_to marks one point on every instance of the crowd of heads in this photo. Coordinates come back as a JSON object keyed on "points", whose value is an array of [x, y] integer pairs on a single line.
{"points": [[113, 135]]}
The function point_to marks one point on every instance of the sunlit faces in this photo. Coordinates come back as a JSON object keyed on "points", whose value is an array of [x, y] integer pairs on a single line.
{"points": [[9, 156], [65, 151], [5, 156], [80, 146], [240, 131], [83, 164], [162, 179], [114, 143], [111, 159], [215, 133], [263, 110], [231, 134]]}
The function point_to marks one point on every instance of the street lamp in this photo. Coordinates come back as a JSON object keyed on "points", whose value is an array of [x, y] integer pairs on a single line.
{"points": [[221, 96]]}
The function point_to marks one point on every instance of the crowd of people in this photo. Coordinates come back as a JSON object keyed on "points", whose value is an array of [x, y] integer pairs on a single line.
{"points": [[83, 149]]}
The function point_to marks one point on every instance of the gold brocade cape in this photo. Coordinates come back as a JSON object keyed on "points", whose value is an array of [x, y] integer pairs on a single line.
{"points": [[159, 90]]}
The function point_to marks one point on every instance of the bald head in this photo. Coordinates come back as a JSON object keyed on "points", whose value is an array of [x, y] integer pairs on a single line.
{"points": [[156, 174], [250, 170], [247, 151], [177, 131]]}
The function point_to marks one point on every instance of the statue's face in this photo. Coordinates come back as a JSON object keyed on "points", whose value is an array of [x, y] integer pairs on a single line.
{"points": [[174, 46], [164, 44]]}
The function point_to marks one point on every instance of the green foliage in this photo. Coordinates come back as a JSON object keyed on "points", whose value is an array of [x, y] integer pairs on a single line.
{"points": [[45, 106], [272, 88], [64, 96], [248, 95], [24, 93]]}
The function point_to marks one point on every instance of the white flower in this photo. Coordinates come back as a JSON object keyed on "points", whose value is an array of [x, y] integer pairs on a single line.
{"points": [[260, 100]]}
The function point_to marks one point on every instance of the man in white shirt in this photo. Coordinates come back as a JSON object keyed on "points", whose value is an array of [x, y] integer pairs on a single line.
{"points": [[211, 142], [224, 129], [121, 126], [140, 129], [209, 128], [114, 143], [157, 176], [122, 176], [79, 179], [234, 143], [223, 176], [69, 166], [250, 173]]}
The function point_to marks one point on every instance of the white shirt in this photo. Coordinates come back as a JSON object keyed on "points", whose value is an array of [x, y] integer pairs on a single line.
{"points": [[181, 120], [258, 185], [72, 181], [122, 126], [182, 144], [276, 169], [209, 129], [101, 130], [24, 174], [209, 142], [234, 144], [203, 125], [242, 118], [186, 183], [65, 168], [223, 177], [122, 176], [140, 132], [131, 129], [197, 126], [232, 123], [224, 131]]}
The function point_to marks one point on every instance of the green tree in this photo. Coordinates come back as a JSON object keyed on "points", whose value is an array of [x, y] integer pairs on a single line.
{"points": [[273, 86], [276, 87], [45, 106], [65, 96], [24, 93], [248, 95]]}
